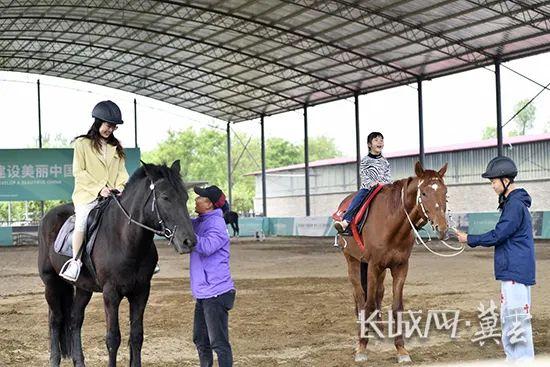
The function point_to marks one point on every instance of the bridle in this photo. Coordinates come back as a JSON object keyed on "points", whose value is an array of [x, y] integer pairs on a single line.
{"points": [[425, 214], [164, 231]]}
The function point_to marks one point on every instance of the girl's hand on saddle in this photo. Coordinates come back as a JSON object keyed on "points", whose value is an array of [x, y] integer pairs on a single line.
{"points": [[117, 192], [105, 192], [462, 237]]}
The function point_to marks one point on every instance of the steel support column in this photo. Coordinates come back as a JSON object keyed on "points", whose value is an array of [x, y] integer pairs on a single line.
{"points": [[306, 163], [421, 155], [229, 183], [264, 192], [499, 108], [357, 140], [135, 124]]}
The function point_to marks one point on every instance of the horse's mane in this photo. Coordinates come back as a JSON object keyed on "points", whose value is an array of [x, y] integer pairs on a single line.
{"points": [[156, 172], [394, 191], [395, 188]]}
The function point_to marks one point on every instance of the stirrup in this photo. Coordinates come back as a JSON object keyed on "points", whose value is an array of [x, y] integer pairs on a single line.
{"points": [[65, 267], [339, 226]]}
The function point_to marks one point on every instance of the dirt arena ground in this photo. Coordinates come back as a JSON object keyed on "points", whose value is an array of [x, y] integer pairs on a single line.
{"points": [[293, 308]]}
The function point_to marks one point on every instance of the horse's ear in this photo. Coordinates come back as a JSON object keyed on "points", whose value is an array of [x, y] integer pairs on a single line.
{"points": [[144, 165], [418, 169], [442, 170], [176, 167]]}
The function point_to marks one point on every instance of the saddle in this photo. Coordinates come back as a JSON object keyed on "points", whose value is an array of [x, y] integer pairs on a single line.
{"points": [[63, 244], [360, 218]]}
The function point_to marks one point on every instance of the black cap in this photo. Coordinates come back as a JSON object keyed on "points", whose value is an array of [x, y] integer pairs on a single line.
{"points": [[107, 111], [214, 193], [500, 167]]}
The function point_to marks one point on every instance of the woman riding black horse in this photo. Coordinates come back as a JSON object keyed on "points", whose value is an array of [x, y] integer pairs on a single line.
{"points": [[124, 256]]}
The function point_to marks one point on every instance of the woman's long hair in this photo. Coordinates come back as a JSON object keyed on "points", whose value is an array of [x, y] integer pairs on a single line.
{"points": [[94, 135]]}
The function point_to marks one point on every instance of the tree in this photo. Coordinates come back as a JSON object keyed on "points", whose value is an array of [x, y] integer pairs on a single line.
{"points": [[322, 148], [524, 119], [58, 141], [203, 156], [280, 152], [489, 132]]}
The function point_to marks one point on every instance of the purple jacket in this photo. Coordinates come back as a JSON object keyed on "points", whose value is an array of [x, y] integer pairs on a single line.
{"points": [[209, 264]]}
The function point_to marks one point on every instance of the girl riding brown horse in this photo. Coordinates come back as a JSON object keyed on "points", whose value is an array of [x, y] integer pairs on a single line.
{"points": [[388, 238]]}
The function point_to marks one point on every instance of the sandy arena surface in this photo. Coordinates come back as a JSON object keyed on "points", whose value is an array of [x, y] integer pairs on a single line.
{"points": [[293, 308]]}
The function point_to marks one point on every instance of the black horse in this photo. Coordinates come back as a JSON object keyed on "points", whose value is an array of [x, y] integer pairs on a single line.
{"points": [[232, 218], [124, 256]]}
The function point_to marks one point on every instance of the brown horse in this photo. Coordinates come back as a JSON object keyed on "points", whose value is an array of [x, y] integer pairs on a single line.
{"points": [[388, 238]]}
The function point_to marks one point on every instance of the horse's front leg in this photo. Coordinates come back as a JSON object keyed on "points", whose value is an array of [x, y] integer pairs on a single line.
{"points": [[138, 301], [399, 274], [111, 302], [354, 276], [81, 300]]}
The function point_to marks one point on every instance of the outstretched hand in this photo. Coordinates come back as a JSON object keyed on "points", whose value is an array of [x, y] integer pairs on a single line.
{"points": [[462, 236]]}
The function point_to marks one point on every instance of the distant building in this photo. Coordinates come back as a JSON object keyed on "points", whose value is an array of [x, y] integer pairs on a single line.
{"points": [[332, 179]]}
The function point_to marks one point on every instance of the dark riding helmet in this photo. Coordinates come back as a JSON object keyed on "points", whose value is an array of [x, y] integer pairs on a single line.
{"points": [[107, 111], [214, 193], [500, 167]]}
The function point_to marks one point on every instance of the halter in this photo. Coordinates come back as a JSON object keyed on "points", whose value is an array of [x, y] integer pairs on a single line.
{"points": [[164, 231], [415, 231]]}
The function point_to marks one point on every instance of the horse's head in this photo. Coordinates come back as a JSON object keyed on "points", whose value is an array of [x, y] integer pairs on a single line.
{"points": [[170, 197], [432, 197]]}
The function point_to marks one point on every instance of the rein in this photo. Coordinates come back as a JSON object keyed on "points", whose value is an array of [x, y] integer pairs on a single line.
{"points": [[415, 231], [164, 231]]}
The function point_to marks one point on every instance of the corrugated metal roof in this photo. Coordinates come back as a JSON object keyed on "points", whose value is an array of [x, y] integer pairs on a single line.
{"points": [[236, 60], [408, 153]]}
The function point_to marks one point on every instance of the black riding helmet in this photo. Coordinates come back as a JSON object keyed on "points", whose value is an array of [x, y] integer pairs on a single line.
{"points": [[107, 111], [500, 167]]}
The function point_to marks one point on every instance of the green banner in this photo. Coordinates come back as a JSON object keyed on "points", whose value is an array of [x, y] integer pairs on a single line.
{"points": [[43, 174], [249, 226], [479, 223], [545, 232], [281, 226], [6, 236]]}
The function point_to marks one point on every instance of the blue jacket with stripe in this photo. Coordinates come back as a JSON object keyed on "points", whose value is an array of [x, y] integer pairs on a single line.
{"points": [[512, 239]]}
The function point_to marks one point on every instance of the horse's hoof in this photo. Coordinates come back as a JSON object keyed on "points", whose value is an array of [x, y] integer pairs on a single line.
{"points": [[404, 358], [361, 357]]}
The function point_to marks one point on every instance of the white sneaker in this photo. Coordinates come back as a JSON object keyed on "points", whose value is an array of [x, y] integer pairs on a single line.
{"points": [[157, 268], [71, 270], [341, 226]]}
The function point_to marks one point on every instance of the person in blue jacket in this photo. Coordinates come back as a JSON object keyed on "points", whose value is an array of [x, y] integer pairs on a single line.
{"points": [[514, 258]]}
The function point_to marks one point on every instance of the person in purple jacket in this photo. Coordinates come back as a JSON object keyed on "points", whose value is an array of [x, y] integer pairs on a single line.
{"points": [[211, 282]]}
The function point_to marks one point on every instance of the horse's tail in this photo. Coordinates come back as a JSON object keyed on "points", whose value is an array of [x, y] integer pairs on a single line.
{"points": [[364, 273], [59, 294], [65, 332]]}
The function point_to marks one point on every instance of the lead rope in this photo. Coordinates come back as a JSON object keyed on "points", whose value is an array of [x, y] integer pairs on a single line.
{"points": [[417, 235]]}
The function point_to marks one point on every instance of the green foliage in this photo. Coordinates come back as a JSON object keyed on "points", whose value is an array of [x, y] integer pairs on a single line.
{"points": [[489, 132], [280, 153], [203, 156], [58, 141], [525, 119], [26, 211]]}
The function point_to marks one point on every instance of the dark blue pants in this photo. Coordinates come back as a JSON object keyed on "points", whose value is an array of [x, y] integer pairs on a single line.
{"points": [[356, 204], [210, 329]]}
